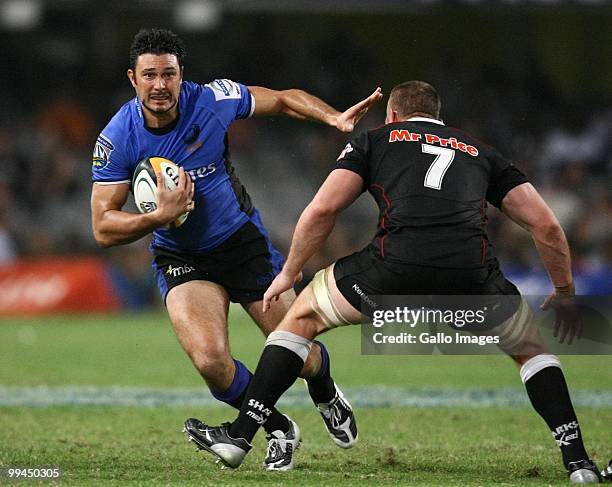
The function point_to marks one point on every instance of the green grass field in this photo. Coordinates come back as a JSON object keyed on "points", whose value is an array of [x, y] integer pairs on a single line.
{"points": [[421, 444]]}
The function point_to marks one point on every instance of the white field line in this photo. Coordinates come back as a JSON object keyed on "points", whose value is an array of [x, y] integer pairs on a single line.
{"points": [[361, 397]]}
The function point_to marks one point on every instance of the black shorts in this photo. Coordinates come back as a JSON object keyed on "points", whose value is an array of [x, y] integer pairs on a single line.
{"points": [[245, 264], [363, 278]]}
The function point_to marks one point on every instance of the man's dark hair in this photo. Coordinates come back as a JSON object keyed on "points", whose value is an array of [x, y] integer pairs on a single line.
{"points": [[415, 96], [157, 41]]}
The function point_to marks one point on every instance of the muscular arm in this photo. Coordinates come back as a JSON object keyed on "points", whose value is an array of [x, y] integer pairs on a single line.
{"points": [[339, 190], [526, 207], [112, 226], [301, 105]]}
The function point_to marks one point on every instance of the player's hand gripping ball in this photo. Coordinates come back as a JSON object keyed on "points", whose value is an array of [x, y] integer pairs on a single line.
{"points": [[144, 184]]}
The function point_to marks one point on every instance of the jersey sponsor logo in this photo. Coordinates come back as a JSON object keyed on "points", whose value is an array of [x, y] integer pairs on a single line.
{"points": [[348, 148], [102, 152], [402, 135], [202, 172], [225, 89]]}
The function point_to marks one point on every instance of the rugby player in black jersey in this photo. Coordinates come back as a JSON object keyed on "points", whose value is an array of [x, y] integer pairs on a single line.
{"points": [[432, 184]]}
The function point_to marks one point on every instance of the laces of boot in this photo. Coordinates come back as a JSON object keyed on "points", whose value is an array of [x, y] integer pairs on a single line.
{"points": [[275, 448], [336, 415]]}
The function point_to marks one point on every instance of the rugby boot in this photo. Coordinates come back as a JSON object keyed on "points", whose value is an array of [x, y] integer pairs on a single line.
{"points": [[339, 420], [606, 473], [216, 440], [583, 472], [281, 447]]}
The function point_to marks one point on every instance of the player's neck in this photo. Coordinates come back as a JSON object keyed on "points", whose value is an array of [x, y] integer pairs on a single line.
{"points": [[159, 120], [417, 114]]}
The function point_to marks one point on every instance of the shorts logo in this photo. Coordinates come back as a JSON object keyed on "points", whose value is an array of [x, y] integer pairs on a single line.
{"points": [[179, 271], [364, 297], [345, 151], [102, 152]]}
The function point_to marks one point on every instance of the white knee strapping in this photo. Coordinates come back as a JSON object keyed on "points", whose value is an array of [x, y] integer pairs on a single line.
{"points": [[537, 363], [297, 344], [512, 331], [323, 304]]}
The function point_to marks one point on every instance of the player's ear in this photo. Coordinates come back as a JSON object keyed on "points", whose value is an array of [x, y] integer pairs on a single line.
{"points": [[392, 116], [132, 77]]}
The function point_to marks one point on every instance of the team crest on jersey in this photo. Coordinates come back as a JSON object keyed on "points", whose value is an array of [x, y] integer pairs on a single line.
{"points": [[345, 151], [225, 89], [102, 152]]}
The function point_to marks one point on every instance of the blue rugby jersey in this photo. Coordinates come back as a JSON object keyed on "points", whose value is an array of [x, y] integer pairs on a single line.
{"points": [[198, 143]]}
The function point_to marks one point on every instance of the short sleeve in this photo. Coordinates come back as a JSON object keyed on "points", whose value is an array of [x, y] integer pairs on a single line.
{"points": [[503, 177], [233, 101], [354, 157], [110, 163]]}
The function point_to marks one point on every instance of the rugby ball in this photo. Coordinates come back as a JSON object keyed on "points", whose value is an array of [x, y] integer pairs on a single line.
{"points": [[144, 184]]}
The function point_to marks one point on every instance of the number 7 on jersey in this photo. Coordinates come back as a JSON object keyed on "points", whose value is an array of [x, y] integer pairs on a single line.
{"points": [[435, 173]]}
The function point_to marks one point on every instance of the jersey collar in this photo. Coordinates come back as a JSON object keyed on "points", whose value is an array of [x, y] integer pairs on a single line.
{"points": [[425, 119]]}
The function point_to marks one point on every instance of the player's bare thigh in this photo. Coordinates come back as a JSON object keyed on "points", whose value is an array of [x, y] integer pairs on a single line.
{"points": [[198, 311], [269, 321], [304, 317]]}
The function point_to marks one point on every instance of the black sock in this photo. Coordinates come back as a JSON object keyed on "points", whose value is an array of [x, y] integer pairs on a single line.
{"points": [[549, 396], [235, 394], [321, 387], [277, 370]]}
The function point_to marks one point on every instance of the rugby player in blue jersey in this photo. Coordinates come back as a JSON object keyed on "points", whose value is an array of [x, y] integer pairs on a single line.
{"points": [[222, 252]]}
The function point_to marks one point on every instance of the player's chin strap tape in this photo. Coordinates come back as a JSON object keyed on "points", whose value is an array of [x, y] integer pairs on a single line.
{"points": [[297, 344], [323, 305], [537, 363]]}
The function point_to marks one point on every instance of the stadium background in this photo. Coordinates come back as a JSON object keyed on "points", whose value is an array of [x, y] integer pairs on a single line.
{"points": [[533, 78]]}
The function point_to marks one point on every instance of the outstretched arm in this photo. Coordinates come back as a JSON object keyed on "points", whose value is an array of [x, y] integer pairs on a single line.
{"points": [[339, 190], [525, 206], [302, 105]]}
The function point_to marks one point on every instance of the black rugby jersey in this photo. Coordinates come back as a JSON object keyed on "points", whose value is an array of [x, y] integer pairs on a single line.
{"points": [[431, 183]]}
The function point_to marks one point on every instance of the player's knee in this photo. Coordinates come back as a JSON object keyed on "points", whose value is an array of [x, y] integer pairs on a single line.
{"points": [[212, 362]]}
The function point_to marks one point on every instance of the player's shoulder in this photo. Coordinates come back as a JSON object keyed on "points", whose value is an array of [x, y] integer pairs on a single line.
{"points": [[123, 122], [215, 91], [117, 136], [483, 147]]}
